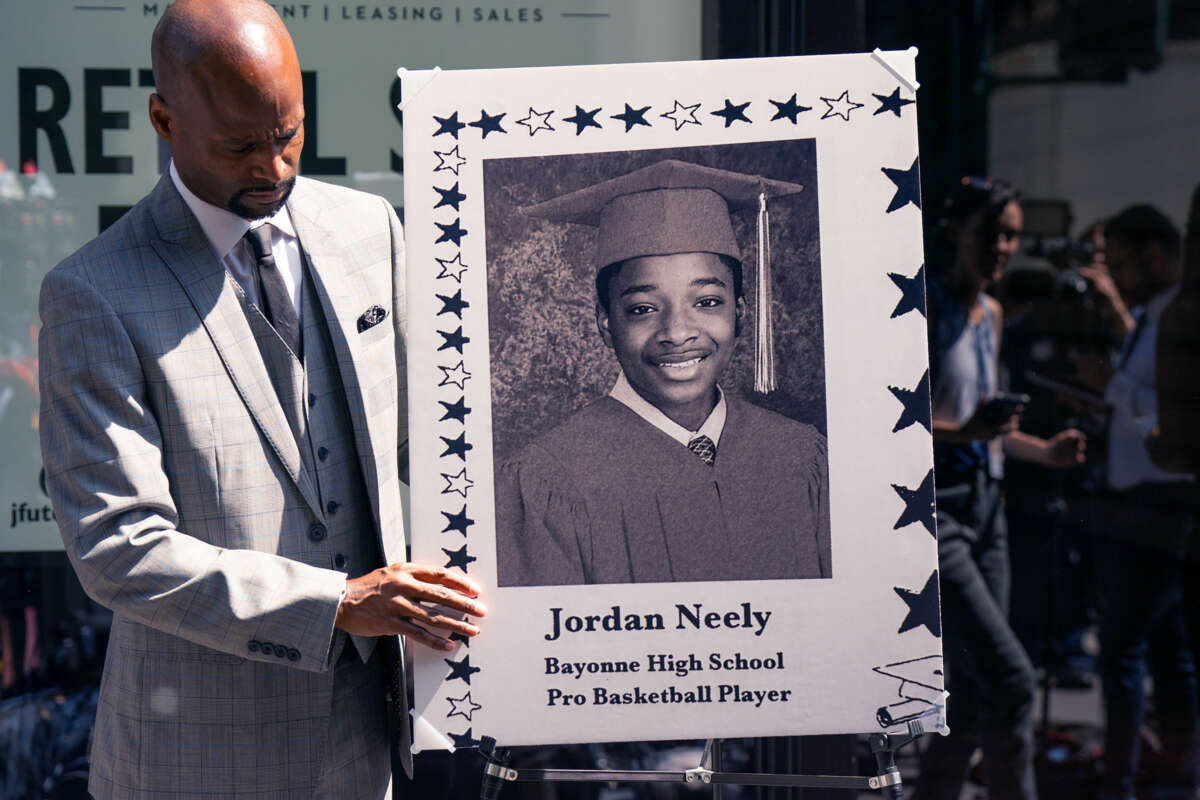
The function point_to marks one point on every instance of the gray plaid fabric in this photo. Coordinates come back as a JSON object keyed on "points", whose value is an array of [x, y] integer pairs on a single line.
{"points": [[185, 505]]}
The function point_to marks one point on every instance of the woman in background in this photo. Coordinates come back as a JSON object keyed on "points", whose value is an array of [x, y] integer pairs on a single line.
{"points": [[988, 674]]}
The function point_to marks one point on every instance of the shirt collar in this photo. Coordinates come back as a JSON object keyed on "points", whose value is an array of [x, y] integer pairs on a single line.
{"points": [[223, 228], [1157, 304], [625, 394]]}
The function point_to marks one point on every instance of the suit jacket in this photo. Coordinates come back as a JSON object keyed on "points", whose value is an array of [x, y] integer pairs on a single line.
{"points": [[182, 499], [606, 497]]}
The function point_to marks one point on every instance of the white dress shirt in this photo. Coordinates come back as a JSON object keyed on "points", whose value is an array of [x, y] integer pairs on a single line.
{"points": [[1133, 397], [225, 230], [625, 394]]}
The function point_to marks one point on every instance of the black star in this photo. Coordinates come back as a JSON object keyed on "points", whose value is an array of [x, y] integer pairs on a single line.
{"points": [[583, 119], [455, 340], [451, 233], [918, 505], [908, 186], [461, 638], [916, 405], [731, 113], [633, 116], [452, 305], [462, 740], [460, 670], [922, 607], [912, 292], [789, 110], [488, 123], [449, 125], [458, 446], [450, 197], [457, 410], [457, 522], [458, 558], [892, 102]]}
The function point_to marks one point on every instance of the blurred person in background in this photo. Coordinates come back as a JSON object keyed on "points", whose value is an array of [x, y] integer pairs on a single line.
{"points": [[1145, 516], [1177, 355], [988, 673]]}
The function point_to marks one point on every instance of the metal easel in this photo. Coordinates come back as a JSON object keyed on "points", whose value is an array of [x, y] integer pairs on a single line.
{"points": [[496, 772]]}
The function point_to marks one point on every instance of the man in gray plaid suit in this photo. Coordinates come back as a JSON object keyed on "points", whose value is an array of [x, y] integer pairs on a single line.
{"points": [[223, 419]]}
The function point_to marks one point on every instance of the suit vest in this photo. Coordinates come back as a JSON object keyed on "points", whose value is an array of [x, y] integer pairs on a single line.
{"points": [[314, 401]]}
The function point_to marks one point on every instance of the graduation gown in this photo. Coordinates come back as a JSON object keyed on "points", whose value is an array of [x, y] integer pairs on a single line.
{"points": [[606, 497]]}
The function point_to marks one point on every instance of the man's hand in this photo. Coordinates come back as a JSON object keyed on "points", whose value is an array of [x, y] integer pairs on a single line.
{"points": [[1093, 371], [1067, 448], [404, 598], [1102, 280]]}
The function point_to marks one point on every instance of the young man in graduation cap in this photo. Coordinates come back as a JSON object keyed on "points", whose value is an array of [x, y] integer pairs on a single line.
{"points": [[668, 478]]}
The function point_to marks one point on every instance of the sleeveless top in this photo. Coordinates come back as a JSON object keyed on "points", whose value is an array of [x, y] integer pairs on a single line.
{"points": [[963, 374]]}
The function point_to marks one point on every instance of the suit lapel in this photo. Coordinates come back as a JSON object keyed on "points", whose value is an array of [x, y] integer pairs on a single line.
{"points": [[342, 306], [185, 250]]}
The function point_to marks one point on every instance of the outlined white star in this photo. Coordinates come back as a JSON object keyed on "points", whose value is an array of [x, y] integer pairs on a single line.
{"points": [[465, 700], [452, 267], [682, 115], [456, 375], [537, 121], [450, 160], [840, 106], [458, 483]]}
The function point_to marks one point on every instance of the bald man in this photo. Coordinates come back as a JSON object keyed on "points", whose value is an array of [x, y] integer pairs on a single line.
{"points": [[223, 429]]}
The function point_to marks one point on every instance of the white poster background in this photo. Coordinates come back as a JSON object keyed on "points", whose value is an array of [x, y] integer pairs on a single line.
{"points": [[852, 646], [87, 50]]}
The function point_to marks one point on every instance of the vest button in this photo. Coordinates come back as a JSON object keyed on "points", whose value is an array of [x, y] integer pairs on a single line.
{"points": [[332, 506], [312, 399], [317, 532], [322, 453], [339, 561]]}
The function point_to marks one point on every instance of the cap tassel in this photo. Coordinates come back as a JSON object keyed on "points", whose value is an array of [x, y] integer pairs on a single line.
{"points": [[764, 332]]}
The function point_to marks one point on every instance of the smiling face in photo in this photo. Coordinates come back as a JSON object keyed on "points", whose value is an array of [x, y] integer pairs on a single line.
{"points": [[672, 322]]}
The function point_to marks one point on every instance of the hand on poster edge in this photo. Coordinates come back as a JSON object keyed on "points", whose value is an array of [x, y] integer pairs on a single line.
{"points": [[408, 599]]}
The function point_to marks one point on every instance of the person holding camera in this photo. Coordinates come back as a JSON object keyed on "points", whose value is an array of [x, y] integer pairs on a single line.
{"points": [[988, 673], [1146, 516]]}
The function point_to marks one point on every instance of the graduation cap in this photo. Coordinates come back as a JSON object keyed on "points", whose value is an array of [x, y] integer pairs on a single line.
{"points": [[678, 207]]}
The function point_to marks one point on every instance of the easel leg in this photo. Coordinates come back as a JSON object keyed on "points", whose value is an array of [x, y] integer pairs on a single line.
{"points": [[716, 766], [885, 767]]}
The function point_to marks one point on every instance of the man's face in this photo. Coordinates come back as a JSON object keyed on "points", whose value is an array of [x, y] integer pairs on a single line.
{"points": [[1128, 270], [236, 139], [672, 322]]}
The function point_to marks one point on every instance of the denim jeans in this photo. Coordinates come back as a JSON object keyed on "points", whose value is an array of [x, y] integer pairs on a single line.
{"points": [[988, 674]]}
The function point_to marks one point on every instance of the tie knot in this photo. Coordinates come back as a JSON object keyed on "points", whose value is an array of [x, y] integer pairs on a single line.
{"points": [[259, 240], [704, 448]]}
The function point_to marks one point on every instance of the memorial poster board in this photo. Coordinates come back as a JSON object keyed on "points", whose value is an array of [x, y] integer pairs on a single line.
{"points": [[764, 222]]}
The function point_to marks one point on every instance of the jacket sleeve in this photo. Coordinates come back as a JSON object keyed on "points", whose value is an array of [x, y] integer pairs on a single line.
{"points": [[102, 449]]}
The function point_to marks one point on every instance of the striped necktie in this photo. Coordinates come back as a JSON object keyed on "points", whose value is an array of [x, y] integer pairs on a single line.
{"points": [[273, 292]]}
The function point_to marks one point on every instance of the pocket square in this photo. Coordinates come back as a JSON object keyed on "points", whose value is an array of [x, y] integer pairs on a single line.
{"points": [[372, 317]]}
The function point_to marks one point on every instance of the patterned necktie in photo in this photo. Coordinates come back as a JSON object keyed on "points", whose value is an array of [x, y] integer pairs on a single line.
{"points": [[274, 296], [704, 448]]}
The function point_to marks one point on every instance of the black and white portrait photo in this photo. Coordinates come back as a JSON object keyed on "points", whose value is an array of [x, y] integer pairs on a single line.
{"points": [[631, 443]]}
